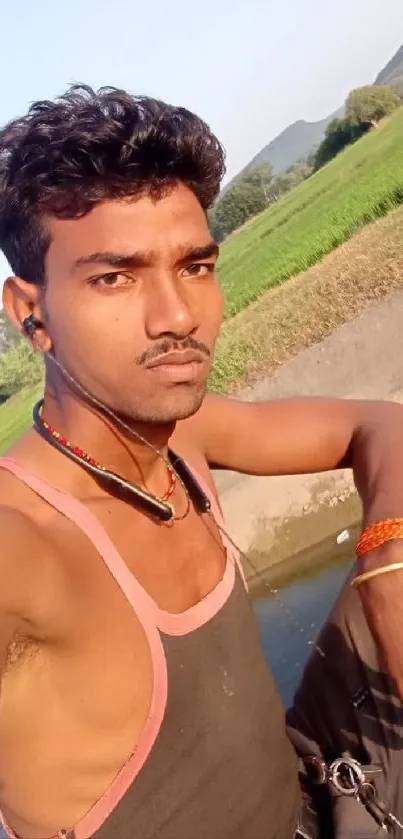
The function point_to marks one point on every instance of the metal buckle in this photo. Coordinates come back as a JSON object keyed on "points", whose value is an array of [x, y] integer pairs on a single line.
{"points": [[346, 775]]}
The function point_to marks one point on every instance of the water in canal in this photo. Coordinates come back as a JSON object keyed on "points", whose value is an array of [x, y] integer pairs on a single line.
{"points": [[307, 587]]}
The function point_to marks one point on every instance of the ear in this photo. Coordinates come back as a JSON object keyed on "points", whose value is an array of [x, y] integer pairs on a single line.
{"points": [[22, 299]]}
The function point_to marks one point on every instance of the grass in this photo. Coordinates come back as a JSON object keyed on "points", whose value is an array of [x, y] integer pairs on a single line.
{"points": [[290, 317], [15, 415], [362, 184]]}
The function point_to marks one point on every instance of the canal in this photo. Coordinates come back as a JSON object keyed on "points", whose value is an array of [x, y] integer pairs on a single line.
{"points": [[306, 587]]}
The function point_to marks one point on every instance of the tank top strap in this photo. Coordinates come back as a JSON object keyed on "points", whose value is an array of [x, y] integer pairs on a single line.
{"points": [[81, 516], [219, 520]]}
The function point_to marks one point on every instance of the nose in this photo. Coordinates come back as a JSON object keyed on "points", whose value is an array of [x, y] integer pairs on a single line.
{"points": [[169, 309]]}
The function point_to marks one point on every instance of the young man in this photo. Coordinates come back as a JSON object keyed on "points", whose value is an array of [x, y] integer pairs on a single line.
{"points": [[135, 701]]}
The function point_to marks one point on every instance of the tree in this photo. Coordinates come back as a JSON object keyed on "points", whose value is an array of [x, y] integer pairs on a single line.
{"points": [[253, 192], [260, 177], [311, 158], [397, 86], [251, 199], [338, 135], [247, 197], [226, 216], [19, 366], [8, 333], [294, 175], [367, 105]]}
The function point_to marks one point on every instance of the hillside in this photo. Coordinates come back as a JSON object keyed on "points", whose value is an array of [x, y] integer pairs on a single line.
{"points": [[301, 138], [393, 70], [296, 142]]}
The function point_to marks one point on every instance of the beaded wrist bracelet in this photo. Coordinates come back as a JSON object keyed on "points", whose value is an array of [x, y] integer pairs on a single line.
{"points": [[374, 537]]}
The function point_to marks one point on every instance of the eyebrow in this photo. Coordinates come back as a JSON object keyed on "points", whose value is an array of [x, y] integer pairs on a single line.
{"points": [[202, 252], [142, 259], [118, 260]]}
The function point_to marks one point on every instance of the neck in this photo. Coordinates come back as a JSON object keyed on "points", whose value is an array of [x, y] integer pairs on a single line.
{"points": [[106, 441]]}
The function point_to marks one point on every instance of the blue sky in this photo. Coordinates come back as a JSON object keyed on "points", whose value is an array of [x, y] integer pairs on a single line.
{"points": [[248, 68]]}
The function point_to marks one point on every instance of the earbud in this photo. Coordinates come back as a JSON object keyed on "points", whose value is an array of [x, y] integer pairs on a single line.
{"points": [[30, 325]]}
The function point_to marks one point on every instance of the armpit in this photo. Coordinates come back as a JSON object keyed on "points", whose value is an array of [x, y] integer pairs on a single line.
{"points": [[20, 648]]}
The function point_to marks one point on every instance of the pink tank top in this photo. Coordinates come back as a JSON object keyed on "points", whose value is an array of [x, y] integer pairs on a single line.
{"points": [[213, 760]]}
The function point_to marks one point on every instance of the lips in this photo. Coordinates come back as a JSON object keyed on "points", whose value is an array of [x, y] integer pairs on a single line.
{"points": [[182, 367], [177, 359]]}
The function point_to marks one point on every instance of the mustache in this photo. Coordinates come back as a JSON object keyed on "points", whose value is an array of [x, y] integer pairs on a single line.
{"points": [[168, 345]]}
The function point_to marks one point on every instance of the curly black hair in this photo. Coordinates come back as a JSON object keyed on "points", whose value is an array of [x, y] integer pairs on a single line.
{"points": [[87, 146]]}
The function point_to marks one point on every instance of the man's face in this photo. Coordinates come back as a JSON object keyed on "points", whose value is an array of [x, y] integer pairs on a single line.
{"points": [[133, 307]]}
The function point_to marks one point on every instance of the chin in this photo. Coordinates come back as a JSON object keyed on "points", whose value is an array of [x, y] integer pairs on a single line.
{"points": [[185, 404], [180, 404]]}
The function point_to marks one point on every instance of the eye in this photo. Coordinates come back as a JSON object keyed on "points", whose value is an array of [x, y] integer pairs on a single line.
{"points": [[111, 281], [199, 269]]}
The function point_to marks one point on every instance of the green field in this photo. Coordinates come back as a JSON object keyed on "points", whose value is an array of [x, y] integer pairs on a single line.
{"points": [[363, 183], [15, 415]]}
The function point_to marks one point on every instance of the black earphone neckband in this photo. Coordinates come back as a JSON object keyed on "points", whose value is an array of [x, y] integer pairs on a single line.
{"points": [[123, 489]]}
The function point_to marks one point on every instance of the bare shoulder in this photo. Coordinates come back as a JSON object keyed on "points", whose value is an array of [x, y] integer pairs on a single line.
{"points": [[211, 429], [20, 538], [15, 526], [214, 413], [19, 578], [190, 436], [26, 551]]}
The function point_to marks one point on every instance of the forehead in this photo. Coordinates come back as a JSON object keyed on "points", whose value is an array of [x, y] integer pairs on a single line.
{"points": [[124, 226]]}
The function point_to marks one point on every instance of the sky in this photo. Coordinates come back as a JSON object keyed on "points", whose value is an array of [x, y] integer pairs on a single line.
{"points": [[248, 68]]}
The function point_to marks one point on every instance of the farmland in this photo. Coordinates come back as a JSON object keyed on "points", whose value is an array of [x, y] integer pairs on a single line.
{"points": [[294, 315], [362, 184]]}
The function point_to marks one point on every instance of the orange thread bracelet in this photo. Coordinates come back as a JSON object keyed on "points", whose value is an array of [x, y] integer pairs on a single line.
{"points": [[377, 534]]}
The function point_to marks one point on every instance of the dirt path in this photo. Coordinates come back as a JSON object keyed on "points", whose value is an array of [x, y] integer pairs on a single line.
{"points": [[361, 359]]}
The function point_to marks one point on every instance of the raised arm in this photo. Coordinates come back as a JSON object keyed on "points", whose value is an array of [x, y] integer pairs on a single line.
{"points": [[314, 435], [293, 436]]}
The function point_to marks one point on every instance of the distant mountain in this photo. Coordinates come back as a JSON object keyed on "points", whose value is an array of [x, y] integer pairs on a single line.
{"points": [[301, 138], [293, 144], [393, 70]]}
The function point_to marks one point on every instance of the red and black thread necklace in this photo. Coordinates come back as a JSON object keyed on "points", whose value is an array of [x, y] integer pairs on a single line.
{"points": [[83, 455], [158, 507]]}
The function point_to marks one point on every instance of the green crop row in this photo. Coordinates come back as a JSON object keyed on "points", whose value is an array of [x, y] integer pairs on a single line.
{"points": [[362, 184]]}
